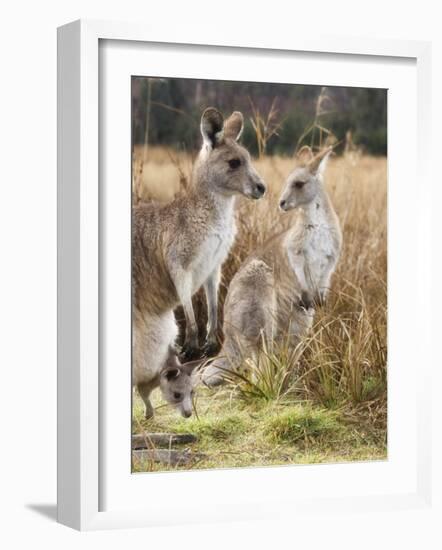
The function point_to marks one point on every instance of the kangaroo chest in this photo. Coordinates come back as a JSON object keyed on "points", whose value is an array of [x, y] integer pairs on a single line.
{"points": [[319, 251], [213, 249]]}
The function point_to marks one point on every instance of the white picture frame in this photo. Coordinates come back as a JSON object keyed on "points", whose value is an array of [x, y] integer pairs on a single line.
{"points": [[80, 437]]}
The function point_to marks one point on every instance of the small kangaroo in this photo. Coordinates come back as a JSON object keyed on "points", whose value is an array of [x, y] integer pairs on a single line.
{"points": [[176, 382], [276, 288], [180, 247]]}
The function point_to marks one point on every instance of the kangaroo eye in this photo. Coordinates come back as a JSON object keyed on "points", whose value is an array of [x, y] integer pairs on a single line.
{"points": [[177, 395], [299, 184], [234, 163]]}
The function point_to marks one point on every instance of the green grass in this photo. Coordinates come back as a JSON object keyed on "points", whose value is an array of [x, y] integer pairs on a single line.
{"points": [[236, 433], [301, 424]]}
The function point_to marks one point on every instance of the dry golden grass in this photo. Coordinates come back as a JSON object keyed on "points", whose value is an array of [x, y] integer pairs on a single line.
{"points": [[342, 364]]}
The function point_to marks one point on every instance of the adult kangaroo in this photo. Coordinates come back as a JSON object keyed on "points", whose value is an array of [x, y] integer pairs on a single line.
{"points": [[180, 247], [274, 292]]}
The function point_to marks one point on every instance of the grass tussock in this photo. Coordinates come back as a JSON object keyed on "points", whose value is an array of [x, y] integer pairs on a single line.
{"points": [[326, 400], [302, 423]]}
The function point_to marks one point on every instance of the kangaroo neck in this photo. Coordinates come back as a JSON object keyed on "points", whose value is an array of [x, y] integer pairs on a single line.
{"points": [[317, 211], [219, 204]]}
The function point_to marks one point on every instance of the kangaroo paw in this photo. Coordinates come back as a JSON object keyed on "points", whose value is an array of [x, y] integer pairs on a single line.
{"points": [[306, 300], [210, 349]]}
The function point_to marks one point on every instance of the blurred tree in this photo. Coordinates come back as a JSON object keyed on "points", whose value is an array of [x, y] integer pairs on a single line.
{"points": [[175, 106]]}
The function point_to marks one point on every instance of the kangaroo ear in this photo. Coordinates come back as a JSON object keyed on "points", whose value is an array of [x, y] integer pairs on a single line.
{"points": [[319, 162], [304, 155], [212, 126], [190, 366], [172, 358], [170, 373], [234, 126]]}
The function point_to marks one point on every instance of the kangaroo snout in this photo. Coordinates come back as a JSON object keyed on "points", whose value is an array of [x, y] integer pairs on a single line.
{"points": [[260, 189], [257, 190], [286, 204], [186, 408]]}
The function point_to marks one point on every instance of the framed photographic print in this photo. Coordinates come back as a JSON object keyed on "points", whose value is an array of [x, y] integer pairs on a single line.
{"points": [[234, 275]]}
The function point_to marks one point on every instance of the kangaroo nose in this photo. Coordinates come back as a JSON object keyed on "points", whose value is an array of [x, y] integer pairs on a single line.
{"points": [[282, 204], [260, 188], [187, 414]]}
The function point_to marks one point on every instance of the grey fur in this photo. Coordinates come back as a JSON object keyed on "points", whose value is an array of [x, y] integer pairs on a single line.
{"points": [[274, 291], [180, 247]]}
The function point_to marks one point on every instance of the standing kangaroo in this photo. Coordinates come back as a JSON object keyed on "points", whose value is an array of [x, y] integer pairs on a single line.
{"points": [[180, 247], [275, 289]]}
